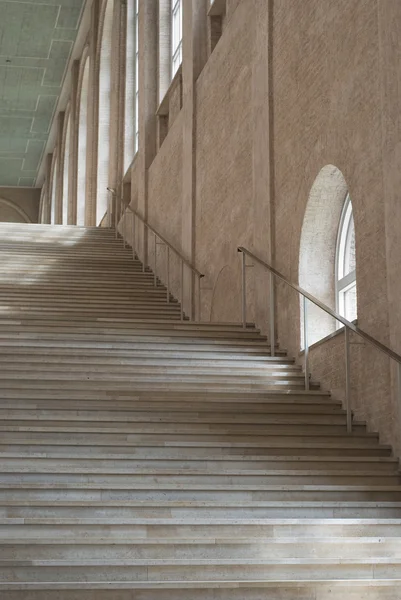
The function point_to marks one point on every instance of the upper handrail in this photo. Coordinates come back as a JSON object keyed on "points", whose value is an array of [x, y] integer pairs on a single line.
{"points": [[371, 340], [162, 239]]}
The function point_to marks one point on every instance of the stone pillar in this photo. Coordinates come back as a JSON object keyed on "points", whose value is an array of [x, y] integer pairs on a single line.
{"points": [[389, 16], [194, 58], [58, 182], [263, 155], [148, 103], [93, 115], [73, 158], [117, 102]]}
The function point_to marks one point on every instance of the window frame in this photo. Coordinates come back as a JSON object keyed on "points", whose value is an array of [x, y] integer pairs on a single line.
{"points": [[176, 14], [136, 128], [343, 283]]}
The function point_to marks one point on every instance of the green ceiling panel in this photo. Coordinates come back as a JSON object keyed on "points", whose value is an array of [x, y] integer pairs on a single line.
{"points": [[34, 152], [69, 17], [44, 111], [18, 85], [36, 38]]}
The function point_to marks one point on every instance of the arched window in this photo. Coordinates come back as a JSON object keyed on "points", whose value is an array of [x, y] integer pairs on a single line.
{"points": [[104, 113], [131, 85], [176, 36], [54, 194], [66, 173], [322, 271], [346, 295], [82, 146]]}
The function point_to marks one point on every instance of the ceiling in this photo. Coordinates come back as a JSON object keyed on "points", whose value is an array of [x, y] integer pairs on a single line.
{"points": [[36, 39]]}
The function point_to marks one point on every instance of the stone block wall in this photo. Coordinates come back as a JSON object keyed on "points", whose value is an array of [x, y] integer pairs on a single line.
{"points": [[289, 88]]}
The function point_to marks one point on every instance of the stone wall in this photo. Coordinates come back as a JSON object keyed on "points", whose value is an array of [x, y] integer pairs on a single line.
{"points": [[289, 88], [19, 205]]}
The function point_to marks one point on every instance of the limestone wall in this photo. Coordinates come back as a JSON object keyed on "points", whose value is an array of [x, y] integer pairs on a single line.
{"points": [[289, 88], [19, 205]]}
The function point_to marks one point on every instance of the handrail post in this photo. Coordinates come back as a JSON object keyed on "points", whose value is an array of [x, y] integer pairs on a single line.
{"points": [[182, 290], [348, 381], [124, 228], [155, 251], [115, 215], [243, 290], [306, 344], [199, 299], [168, 274], [399, 395], [272, 316], [133, 234]]}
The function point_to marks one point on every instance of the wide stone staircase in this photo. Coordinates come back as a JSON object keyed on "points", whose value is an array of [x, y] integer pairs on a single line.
{"points": [[147, 458]]}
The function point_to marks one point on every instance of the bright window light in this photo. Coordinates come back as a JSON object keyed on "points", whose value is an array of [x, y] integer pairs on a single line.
{"points": [[346, 291], [176, 36]]}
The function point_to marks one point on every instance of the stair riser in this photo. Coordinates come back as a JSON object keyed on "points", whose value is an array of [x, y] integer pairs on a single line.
{"points": [[338, 548], [191, 451], [113, 419], [85, 464], [283, 512], [202, 573], [209, 479], [262, 590], [232, 495]]}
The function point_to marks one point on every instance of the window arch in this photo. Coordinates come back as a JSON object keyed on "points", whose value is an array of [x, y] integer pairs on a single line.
{"points": [[346, 292], [319, 244], [66, 171], [82, 145], [104, 112]]}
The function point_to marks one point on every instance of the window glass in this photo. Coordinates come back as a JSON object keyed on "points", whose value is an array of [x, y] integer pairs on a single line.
{"points": [[346, 265], [176, 35]]}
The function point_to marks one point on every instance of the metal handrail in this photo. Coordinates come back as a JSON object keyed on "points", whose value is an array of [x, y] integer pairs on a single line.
{"points": [[112, 211], [309, 297], [164, 241]]}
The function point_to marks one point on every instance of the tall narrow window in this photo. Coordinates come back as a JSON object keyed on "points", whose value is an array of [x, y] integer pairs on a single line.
{"points": [[176, 36], [82, 146], [54, 194], [345, 265], [66, 173], [131, 85], [105, 92], [136, 75]]}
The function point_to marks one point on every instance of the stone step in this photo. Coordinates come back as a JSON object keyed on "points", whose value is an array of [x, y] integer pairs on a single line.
{"points": [[147, 335], [306, 589], [141, 384], [62, 509], [173, 476], [146, 571], [267, 398], [246, 411], [176, 449], [23, 414], [199, 430], [64, 491], [341, 548], [102, 359], [103, 462]]}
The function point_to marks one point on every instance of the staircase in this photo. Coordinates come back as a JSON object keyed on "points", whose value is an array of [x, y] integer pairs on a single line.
{"points": [[147, 458]]}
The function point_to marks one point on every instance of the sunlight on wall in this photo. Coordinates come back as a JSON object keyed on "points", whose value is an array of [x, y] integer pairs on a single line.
{"points": [[66, 173], [82, 141], [104, 114]]}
